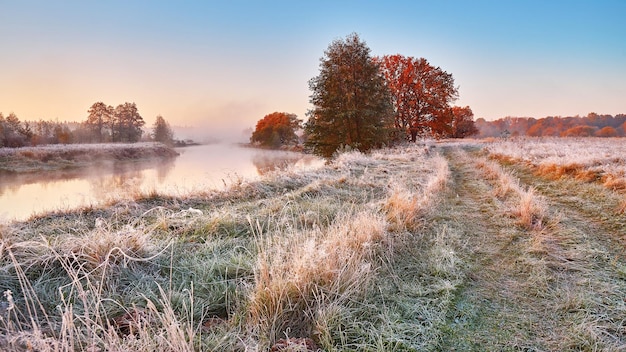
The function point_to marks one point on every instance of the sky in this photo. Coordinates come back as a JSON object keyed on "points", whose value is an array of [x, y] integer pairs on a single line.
{"points": [[220, 66]]}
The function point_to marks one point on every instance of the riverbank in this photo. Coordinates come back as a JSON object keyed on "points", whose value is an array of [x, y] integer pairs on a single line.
{"points": [[412, 248], [297, 253], [60, 157]]}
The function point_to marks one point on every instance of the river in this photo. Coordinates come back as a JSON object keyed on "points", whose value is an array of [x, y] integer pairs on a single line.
{"points": [[198, 168]]}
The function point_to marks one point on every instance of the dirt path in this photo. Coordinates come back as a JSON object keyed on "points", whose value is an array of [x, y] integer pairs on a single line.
{"points": [[559, 288]]}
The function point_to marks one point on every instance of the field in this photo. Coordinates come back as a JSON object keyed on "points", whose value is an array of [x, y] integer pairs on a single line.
{"points": [[463, 246]]}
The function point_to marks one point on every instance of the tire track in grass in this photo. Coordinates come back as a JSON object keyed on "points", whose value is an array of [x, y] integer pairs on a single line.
{"points": [[586, 251], [491, 311], [554, 288]]}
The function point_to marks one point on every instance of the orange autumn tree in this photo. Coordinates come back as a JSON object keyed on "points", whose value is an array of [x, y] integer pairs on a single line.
{"points": [[462, 122], [276, 129], [421, 95]]}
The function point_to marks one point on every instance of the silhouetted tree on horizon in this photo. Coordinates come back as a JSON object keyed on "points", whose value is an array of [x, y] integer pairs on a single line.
{"points": [[162, 132], [554, 126], [127, 123], [100, 121]]}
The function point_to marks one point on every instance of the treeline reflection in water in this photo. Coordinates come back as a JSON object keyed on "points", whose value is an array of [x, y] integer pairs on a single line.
{"points": [[196, 169]]}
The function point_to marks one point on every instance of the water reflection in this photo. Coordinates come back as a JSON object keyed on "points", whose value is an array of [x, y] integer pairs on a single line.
{"points": [[197, 169], [11, 183], [127, 178], [268, 162]]}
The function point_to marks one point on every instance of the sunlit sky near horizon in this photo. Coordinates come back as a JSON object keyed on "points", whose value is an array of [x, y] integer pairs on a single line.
{"points": [[223, 65]]}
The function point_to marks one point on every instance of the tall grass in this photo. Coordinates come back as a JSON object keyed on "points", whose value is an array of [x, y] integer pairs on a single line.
{"points": [[297, 275], [68, 306], [274, 262], [584, 159], [529, 207]]}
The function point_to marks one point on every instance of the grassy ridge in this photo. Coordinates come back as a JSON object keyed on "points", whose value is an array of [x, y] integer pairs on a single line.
{"points": [[57, 157], [292, 260]]}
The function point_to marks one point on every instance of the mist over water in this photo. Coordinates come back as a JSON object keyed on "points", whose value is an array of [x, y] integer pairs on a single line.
{"points": [[198, 168]]}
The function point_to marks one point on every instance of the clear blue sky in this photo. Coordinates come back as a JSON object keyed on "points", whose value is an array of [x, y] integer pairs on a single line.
{"points": [[228, 63]]}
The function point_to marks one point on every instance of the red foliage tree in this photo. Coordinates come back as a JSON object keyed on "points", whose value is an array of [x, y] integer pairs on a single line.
{"points": [[579, 131], [463, 122], [421, 94], [276, 129], [607, 131]]}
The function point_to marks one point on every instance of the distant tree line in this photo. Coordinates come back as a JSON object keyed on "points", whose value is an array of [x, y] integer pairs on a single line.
{"points": [[104, 124], [592, 125], [364, 102]]}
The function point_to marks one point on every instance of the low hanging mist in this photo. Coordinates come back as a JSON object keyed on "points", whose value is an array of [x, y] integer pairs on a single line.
{"points": [[198, 168]]}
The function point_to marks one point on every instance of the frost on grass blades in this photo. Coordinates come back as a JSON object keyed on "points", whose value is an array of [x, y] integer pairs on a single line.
{"points": [[586, 159], [292, 259]]}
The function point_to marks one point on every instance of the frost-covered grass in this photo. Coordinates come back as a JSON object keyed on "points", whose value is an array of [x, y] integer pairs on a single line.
{"points": [[527, 206], [64, 148], [299, 257], [587, 159], [52, 157]]}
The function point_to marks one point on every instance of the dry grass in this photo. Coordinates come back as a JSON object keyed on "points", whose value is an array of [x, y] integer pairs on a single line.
{"points": [[402, 208], [528, 206], [583, 159], [532, 210], [297, 275], [504, 183], [85, 270], [288, 256], [551, 287], [621, 209], [614, 182]]}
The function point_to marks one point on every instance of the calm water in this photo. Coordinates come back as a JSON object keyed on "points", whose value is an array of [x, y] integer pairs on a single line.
{"points": [[197, 168]]}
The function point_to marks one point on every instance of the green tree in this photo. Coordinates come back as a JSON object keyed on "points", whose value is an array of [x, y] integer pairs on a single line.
{"points": [[352, 105], [127, 123], [276, 129], [99, 121], [161, 131]]}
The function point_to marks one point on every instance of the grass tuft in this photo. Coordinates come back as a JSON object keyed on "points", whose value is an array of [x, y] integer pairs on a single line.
{"points": [[402, 210], [307, 270], [532, 210]]}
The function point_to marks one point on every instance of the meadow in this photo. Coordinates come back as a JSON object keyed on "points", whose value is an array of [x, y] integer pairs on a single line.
{"points": [[424, 247]]}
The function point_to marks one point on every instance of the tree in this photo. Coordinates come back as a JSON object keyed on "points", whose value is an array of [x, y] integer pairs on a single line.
{"points": [[463, 122], [100, 120], [352, 105], [420, 92], [607, 131], [62, 135], [579, 131], [161, 131], [276, 129], [127, 123], [14, 134], [2, 130]]}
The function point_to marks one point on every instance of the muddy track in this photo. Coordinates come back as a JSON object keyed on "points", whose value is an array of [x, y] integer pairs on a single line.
{"points": [[559, 288]]}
